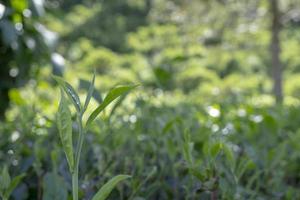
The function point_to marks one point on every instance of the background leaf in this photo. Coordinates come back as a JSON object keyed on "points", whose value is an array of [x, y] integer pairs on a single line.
{"points": [[5, 179], [54, 187], [19, 5], [14, 183], [106, 189]]}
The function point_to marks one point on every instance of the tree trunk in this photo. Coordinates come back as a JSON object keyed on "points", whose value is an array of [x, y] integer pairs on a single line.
{"points": [[275, 52]]}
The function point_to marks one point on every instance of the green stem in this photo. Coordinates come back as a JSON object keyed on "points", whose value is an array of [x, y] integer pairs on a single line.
{"points": [[77, 158], [75, 183]]}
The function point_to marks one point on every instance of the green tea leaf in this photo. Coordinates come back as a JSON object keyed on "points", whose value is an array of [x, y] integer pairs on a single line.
{"points": [[64, 124], [216, 148], [69, 90], [90, 93], [112, 95], [14, 183], [143, 182], [117, 104], [187, 148], [170, 124], [229, 155], [5, 179], [195, 172], [106, 189]]}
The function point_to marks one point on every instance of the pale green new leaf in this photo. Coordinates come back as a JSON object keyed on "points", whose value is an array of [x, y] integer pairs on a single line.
{"points": [[14, 183], [69, 90], [112, 95], [90, 93], [64, 124], [106, 189]]}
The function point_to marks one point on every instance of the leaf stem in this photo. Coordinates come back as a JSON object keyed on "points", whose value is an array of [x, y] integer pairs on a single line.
{"points": [[75, 183], [77, 158]]}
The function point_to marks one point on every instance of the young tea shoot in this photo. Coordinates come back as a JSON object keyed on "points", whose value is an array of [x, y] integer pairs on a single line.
{"points": [[64, 124]]}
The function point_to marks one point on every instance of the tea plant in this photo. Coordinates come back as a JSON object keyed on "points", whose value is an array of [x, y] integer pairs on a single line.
{"points": [[64, 124]]}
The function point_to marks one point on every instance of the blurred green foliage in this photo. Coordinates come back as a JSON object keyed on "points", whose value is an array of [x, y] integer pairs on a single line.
{"points": [[203, 124], [24, 44]]}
